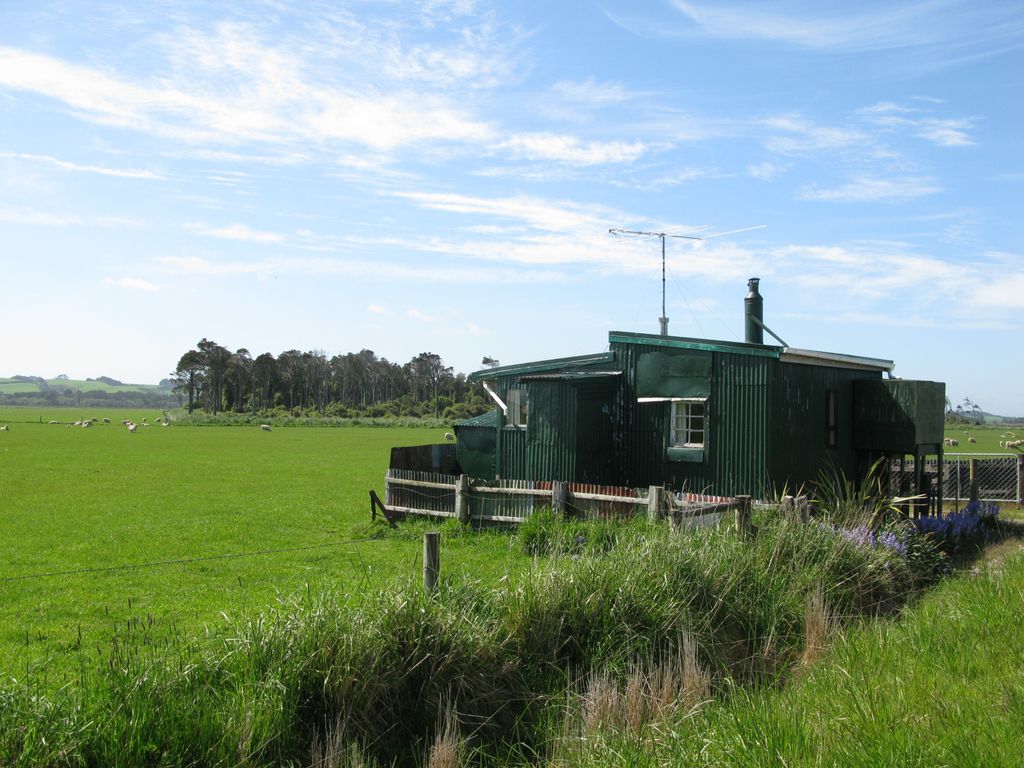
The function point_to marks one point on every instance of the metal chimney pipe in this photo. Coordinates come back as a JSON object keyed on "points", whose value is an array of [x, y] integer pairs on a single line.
{"points": [[753, 313]]}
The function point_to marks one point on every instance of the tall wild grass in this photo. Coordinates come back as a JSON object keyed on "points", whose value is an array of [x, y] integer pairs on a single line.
{"points": [[619, 626]]}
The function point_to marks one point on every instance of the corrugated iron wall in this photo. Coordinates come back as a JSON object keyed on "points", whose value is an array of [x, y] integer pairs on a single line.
{"points": [[551, 432], [800, 423], [738, 440], [595, 455], [738, 411]]}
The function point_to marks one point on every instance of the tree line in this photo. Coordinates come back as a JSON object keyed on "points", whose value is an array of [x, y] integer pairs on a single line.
{"points": [[215, 379]]}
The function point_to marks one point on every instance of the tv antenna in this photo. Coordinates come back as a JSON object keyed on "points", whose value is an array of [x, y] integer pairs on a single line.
{"points": [[686, 234]]}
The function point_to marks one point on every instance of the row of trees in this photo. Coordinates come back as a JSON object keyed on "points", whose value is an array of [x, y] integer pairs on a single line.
{"points": [[216, 379]]}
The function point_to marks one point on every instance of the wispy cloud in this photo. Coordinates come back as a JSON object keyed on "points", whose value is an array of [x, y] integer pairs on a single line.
{"points": [[590, 92], [795, 135], [957, 24], [32, 217], [569, 149], [134, 284], [868, 189], [945, 132], [240, 232], [375, 271], [125, 173]]}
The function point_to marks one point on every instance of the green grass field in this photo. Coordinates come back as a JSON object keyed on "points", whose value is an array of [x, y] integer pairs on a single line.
{"points": [[85, 499], [987, 438], [10, 386]]}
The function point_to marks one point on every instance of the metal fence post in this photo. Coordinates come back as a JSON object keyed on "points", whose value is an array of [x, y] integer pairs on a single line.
{"points": [[973, 465], [1020, 479]]}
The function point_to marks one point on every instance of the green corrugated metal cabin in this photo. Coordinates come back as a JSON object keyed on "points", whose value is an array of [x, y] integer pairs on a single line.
{"points": [[706, 416]]}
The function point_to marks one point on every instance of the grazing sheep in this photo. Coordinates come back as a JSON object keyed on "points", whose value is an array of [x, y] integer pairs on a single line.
{"points": [[132, 427], [5, 428], [951, 442], [106, 420], [971, 440], [265, 427], [53, 421], [449, 437]]}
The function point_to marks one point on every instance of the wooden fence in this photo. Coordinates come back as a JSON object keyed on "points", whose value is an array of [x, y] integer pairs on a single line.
{"points": [[436, 495]]}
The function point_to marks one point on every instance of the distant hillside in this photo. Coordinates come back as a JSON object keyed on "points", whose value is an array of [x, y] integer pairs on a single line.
{"points": [[104, 390]]}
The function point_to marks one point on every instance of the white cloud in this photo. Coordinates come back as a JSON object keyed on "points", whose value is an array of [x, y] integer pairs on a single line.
{"points": [[415, 314], [539, 213], [569, 149], [589, 92], [376, 271], [766, 171], [33, 217], [125, 173], [376, 309], [867, 189], [238, 232], [945, 132], [841, 28], [134, 284], [801, 136], [270, 103]]}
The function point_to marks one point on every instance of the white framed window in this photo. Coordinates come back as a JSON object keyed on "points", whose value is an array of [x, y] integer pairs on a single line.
{"points": [[688, 423], [516, 399]]}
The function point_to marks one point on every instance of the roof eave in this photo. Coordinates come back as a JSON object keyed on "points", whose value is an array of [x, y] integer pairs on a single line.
{"points": [[835, 360], [540, 365]]}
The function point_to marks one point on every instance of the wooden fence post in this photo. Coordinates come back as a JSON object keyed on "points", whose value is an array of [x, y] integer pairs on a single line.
{"points": [[974, 479], [803, 510], [655, 503], [560, 497], [431, 560], [744, 525], [786, 508], [462, 498]]}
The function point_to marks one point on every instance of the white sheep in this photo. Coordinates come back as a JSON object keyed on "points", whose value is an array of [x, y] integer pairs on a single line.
{"points": [[5, 428], [971, 440], [265, 427], [449, 437], [132, 427]]}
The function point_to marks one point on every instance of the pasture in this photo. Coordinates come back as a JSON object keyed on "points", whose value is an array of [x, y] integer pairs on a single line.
{"points": [[987, 438], [181, 527]]}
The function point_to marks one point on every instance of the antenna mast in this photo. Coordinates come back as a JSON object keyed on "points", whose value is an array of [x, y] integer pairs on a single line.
{"points": [[663, 321]]}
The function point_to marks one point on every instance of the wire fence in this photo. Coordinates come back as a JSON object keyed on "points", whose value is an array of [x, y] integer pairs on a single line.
{"points": [[178, 561], [999, 477]]}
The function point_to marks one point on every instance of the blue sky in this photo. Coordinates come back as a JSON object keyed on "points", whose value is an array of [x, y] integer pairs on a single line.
{"points": [[441, 176]]}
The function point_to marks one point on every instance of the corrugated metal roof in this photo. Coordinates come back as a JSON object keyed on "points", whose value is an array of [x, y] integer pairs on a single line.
{"points": [[489, 419], [541, 365], [834, 360], [571, 376], [680, 342]]}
